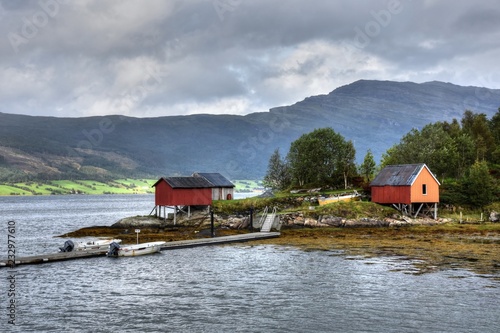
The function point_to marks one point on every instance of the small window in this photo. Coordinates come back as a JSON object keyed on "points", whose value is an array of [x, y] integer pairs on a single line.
{"points": [[424, 189]]}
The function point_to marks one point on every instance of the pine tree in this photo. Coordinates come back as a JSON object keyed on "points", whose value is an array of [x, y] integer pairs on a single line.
{"points": [[278, 175], [479, 186], [367, 168]]}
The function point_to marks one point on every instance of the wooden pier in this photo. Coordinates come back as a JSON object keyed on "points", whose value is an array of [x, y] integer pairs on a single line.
{"points": [[219, 240], [61, 256]]}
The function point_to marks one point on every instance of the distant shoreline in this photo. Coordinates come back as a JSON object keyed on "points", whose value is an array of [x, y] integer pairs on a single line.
{"points": [[92, 187], [237, 194]]}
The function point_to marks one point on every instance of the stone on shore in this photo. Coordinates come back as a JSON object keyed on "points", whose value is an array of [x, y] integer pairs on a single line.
{"points": [[297, 219], [494, 216], [138, 221]]}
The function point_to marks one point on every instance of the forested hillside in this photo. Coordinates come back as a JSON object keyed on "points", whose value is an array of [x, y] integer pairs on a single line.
{"points": [[372, 114]]}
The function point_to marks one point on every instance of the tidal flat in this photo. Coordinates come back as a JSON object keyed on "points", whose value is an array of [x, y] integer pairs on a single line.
{"points": [[448, 246], [475, 247]]}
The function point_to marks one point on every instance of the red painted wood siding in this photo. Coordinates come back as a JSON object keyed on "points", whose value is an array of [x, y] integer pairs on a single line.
{"points": [[160, 196], [165, 195], [391, 194]]}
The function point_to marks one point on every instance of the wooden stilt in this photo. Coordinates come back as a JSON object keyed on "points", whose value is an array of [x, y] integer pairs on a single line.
{"points": [[175, 214], [418, 210]]}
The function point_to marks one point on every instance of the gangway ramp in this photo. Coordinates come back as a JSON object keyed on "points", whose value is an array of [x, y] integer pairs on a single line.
{"points": [[267, 219]]}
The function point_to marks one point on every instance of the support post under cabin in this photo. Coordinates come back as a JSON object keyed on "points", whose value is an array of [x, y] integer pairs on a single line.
{"points": [[212, 232], [175, 214]]}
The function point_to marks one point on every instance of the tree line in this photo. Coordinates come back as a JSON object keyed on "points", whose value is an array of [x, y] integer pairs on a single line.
{"points": [[463, 154]]}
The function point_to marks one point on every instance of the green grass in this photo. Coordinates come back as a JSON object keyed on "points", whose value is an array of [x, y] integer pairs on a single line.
{"points": [[467, 216], [139, 184], [120, 186], [10, 190], [247, 185], [117, 186], [29, 188], [353, 209]]}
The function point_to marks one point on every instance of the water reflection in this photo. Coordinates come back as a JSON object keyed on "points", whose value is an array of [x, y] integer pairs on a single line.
{"points": [[237, 288]]}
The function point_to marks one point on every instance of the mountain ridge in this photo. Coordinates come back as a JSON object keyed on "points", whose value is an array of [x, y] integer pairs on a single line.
{"points": [[373, 114]]}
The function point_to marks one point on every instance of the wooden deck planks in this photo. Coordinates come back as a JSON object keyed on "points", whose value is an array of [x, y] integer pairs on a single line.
{"points": [[219, 240], [61, 256]]}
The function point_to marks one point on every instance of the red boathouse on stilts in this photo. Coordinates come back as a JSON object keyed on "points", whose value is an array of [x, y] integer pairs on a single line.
{"points": [[410, 188], [197, 190]]}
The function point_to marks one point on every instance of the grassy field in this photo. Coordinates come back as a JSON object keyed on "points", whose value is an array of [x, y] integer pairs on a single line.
{"points": [[62, 187], [117, 186], [247, 185], [11, 190]]}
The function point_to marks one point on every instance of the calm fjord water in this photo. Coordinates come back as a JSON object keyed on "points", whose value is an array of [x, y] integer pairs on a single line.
{"points": [[233, 288]]}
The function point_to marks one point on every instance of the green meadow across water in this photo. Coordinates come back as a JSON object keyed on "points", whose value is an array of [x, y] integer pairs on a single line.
{"points": [[60, 187], [118, 186]]}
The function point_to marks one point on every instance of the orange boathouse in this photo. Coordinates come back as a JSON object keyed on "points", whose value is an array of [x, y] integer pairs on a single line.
{"points": [[411, 188]]}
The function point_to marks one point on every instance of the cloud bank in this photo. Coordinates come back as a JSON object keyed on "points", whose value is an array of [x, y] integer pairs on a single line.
{"points": [[157, 58]]}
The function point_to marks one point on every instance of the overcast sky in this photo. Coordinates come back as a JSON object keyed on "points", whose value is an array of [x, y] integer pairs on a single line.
{"points": [[167, 57]]}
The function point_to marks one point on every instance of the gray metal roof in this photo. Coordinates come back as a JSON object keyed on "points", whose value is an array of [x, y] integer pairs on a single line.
{"points": [[398, 175], [215, 178], [187, 182]]}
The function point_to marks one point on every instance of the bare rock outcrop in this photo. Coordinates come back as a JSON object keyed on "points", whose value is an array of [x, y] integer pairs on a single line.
{"points": [[494, 216], [299, 220]]}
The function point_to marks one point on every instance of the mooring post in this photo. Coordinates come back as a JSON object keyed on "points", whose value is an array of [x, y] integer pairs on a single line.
{"points": [[212, 222], [137, 231], [175, 214], [250, 225]]}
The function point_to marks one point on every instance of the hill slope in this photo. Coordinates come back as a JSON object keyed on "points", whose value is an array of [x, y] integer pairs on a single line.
{"points": [[373, 114]]}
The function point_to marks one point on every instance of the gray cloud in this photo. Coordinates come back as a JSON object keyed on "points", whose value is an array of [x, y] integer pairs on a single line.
{"points": [[91, 57]]}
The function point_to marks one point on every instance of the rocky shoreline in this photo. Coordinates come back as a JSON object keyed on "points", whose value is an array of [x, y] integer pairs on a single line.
{"points": [[434, 244], [297, 219]]}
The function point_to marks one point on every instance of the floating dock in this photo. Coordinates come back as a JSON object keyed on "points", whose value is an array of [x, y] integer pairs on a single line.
{"points": [[61, 256]]}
